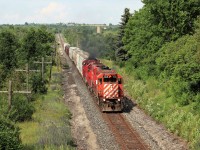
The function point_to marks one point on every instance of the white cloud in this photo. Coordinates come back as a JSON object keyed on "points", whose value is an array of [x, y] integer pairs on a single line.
{"points": [[53, 12], [52, 8]]}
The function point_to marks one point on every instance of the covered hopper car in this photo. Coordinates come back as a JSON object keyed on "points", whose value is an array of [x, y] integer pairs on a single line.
{"points": [[102, 81]]}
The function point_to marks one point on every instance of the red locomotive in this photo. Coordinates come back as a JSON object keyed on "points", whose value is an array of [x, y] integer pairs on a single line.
{"points": [[104, 82]]}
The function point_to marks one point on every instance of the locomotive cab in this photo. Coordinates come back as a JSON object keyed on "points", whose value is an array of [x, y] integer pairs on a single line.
{"points": [[110, 92], [105, 83]]}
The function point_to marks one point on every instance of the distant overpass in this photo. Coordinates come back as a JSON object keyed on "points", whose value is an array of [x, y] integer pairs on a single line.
{"points": [[98, 26]]}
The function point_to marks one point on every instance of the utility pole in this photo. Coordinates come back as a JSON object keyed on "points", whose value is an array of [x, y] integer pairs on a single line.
{"points": [[51, 65], [43, 63], [27, 74], [10, 93]]}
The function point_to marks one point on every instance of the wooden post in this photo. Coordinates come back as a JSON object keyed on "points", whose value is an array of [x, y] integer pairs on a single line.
{"points": [[51, 67], [27, 70], [42, 69], [43, 62], [9, 94]]}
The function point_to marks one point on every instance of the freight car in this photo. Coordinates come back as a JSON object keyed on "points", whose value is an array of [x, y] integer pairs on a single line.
{"points": [[102, 81], [66, 47]]}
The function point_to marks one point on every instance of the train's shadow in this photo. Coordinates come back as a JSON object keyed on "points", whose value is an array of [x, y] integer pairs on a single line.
{"points": [[128, 105]]}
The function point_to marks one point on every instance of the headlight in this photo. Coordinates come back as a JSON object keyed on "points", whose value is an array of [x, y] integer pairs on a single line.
{"points": [[104, 99], [118, 100]]}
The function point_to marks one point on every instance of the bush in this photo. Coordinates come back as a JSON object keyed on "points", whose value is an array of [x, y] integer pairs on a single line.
{"points": [[21, 110], [38, 86], [9, 135]]}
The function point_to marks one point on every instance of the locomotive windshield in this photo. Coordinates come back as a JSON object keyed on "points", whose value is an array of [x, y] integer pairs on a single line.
{"points": [[110, 78]]}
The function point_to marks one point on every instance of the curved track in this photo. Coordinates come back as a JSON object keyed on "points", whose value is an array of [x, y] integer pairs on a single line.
{"points": [[126, 136]]}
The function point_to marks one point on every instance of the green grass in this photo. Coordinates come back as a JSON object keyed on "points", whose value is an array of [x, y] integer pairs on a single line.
{"points": [[50, 126], [152, 96], [29, 134]]}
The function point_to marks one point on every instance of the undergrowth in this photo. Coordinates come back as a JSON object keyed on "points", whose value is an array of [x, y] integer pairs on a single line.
{"points": [[50, 126], [152, 96]]}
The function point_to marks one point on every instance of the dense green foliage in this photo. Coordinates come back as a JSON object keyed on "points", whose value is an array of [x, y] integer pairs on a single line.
{"points": [[121, 53], [173, 18], [8, 46], [38, 85], [179, 62], [9, 135], [163, 40], [21, 109], [151, 39], [37, 44]]}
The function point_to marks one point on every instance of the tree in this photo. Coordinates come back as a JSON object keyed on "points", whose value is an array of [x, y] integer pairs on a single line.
{"points": [[157, 23], [121, 52], [9, 135], [141, 38], [174, 17], [21, 109], [36, 43], [179, 62], [8, 47]]}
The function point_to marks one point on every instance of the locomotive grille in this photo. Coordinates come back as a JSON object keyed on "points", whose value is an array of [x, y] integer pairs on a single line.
{"points": [[110, 90]]}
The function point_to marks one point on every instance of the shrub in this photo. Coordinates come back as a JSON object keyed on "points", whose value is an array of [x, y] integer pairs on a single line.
{"points": [[9, 135], [21, 110], [38, 86]]}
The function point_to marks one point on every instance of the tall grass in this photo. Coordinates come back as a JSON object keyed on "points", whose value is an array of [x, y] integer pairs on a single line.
{"points": [[50, 127], [153, 98]]}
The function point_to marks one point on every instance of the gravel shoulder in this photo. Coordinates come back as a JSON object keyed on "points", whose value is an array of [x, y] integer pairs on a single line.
{"points": [[155, 135], [88, 127]]}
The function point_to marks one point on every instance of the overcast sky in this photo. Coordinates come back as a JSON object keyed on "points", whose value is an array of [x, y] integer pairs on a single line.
{"points": [[56, 11]]}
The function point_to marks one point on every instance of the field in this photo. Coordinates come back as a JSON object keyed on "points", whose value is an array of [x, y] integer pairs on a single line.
{"points": [[50, 126]]}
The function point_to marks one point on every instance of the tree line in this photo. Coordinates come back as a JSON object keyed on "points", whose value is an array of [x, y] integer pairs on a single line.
{"points": [[161, 40], [161, 45], [20, 46]]}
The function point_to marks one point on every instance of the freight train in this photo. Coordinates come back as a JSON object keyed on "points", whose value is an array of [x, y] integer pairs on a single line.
{"points": [[103, 82]]}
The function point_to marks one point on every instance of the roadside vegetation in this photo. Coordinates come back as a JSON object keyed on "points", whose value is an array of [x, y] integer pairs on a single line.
{"points": [[39, 120], [50, 126]]}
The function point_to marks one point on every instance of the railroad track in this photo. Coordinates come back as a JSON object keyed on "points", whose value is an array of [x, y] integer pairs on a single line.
{"points": [[127, 138], [61, 40]]}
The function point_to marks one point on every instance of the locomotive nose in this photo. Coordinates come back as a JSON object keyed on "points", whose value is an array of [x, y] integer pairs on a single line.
{"points": [[111, 90]]}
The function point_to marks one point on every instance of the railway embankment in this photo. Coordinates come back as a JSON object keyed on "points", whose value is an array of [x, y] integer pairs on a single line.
{"points": [[148, 115]]}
